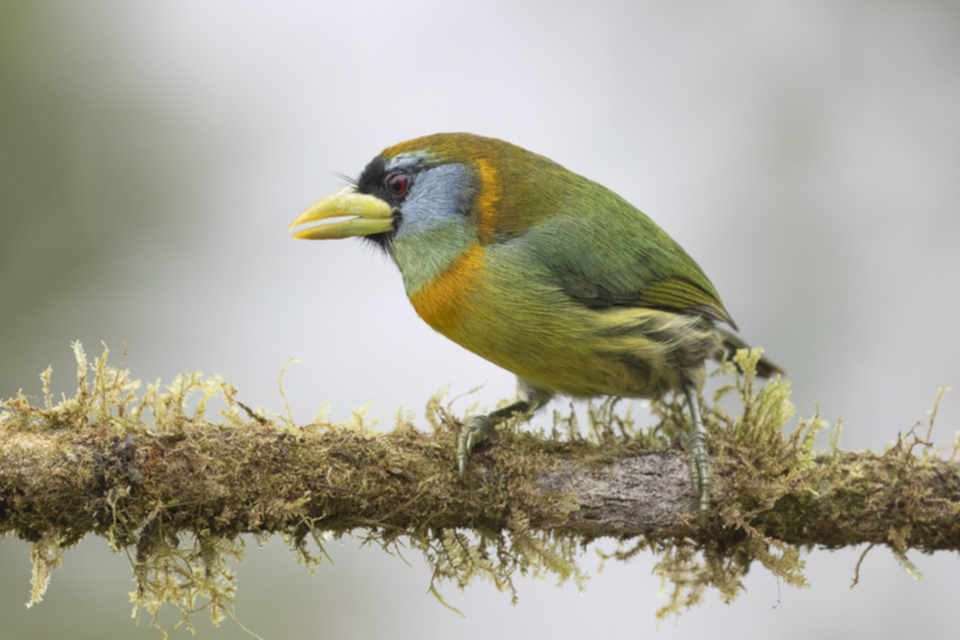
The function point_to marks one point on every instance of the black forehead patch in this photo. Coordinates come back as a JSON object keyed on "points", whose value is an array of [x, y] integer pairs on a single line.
{"points": [[371, 179]]}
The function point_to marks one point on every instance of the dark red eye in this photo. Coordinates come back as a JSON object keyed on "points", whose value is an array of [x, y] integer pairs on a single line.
{"points": [[398, 183]]}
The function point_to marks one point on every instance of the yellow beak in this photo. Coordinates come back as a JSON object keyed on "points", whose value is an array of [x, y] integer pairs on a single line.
{"points": [[365, 215]]}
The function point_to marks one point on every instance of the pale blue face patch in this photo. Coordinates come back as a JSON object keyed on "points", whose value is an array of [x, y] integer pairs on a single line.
{"points": [[440, 195]]}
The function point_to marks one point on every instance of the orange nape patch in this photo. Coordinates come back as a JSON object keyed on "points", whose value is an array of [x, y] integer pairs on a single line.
{"points": [[442, 302], [491, 190]]}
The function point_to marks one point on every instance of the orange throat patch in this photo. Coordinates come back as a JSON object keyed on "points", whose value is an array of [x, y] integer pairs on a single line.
{"points": [[443, 301]]}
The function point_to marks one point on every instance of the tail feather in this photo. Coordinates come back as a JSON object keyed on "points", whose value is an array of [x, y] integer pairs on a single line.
{"points": [[731, 342]]}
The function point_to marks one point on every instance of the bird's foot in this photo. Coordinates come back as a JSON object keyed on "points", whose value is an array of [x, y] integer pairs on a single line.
{"points": [[477, 430], [694, 443]]}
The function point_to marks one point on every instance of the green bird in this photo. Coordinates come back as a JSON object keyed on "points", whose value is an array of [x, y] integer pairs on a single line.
{"points": [[540, 271]]}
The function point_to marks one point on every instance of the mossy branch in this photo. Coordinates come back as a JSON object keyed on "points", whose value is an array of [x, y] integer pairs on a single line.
{"points": [[148, 473]]}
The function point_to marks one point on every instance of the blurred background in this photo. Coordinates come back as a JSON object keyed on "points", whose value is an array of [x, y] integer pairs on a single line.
{"points": [[807, 154]]}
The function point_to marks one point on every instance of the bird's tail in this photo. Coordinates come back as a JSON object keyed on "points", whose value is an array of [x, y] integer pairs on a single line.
{"points": [[732, 342]]}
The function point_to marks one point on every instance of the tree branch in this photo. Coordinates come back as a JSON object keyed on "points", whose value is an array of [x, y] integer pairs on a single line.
{"points": [[94, 464], [261, 477]]}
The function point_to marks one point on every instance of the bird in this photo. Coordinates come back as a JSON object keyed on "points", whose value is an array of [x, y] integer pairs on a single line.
{"points": [[541, 271]]}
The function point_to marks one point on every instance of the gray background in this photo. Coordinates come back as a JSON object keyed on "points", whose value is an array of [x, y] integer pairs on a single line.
{"points": [[153, 154]]}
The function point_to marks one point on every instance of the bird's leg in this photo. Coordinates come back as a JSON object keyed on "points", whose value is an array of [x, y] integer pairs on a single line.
{"points": [[530, 397], [480, 428], [695, 442]]}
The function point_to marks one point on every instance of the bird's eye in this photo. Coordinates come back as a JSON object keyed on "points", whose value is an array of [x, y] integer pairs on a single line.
{"points": [[398, 183]]}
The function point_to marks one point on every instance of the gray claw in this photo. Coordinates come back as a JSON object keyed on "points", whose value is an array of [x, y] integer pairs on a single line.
{"points": [[477, 429], [699, 461]]}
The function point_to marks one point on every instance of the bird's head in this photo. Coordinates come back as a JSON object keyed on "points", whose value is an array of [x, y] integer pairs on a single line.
{"points": [[432, 183]]}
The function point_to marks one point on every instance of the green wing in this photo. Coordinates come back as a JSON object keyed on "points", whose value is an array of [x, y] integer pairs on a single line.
{"points": [[611, 254]]}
